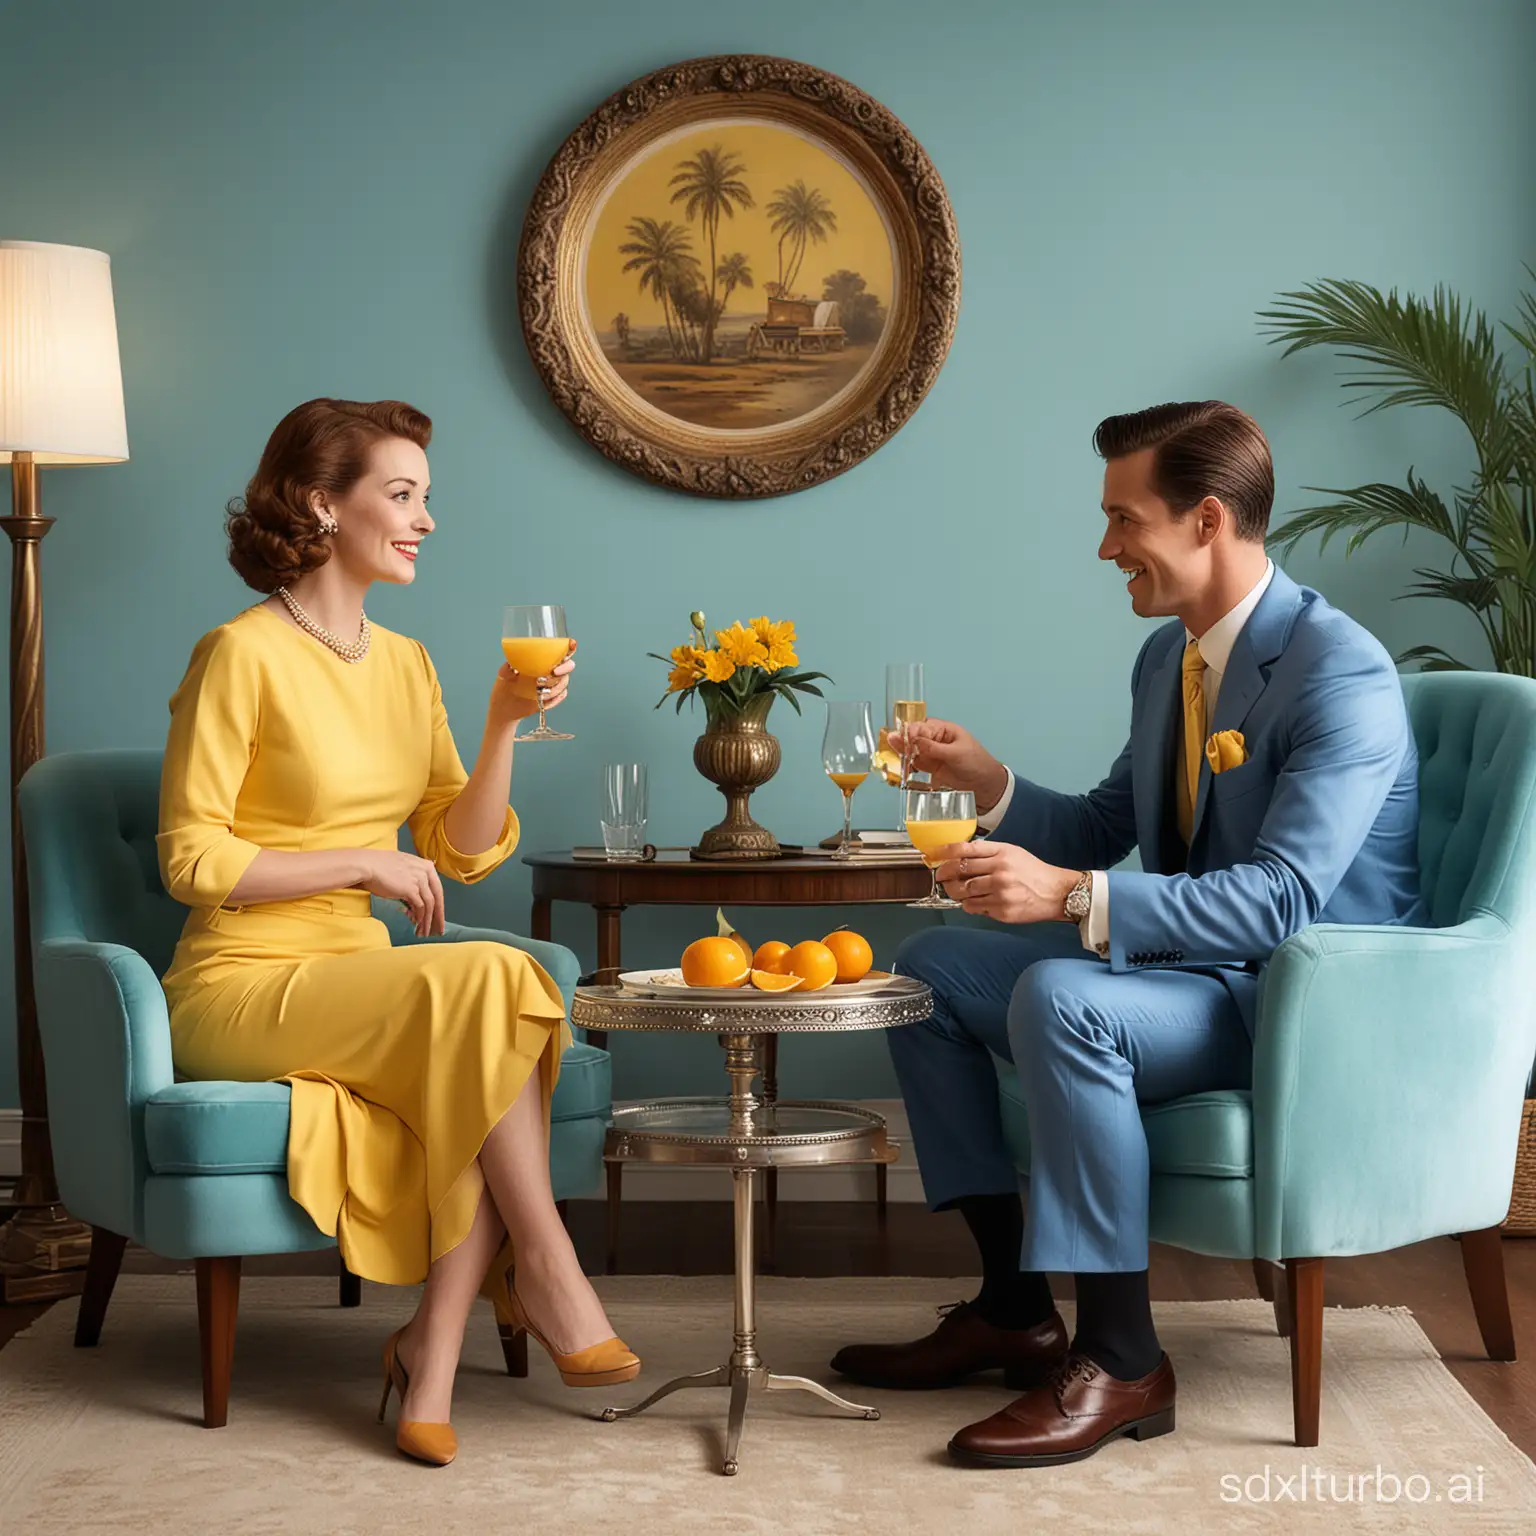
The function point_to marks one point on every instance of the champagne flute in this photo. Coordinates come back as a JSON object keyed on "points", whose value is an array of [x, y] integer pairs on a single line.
{"points": [[936, 818], [534, 641], [905, 702], [847, 753]]}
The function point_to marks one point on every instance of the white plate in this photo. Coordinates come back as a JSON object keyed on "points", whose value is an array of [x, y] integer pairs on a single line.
{"points": [[666, 983]]}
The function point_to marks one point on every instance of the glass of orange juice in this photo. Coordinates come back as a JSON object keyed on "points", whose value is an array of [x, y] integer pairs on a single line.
{"points": [[936, 818], [847, 751], [534, 641]]}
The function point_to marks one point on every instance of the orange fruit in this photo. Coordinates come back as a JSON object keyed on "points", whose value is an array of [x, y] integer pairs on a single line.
{"points": [[772, 957], [774, 981], [714, 962], [852, 953], [727, 932], [814, 964]]}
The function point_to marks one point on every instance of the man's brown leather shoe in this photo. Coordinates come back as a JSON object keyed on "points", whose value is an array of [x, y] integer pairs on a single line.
{"points": [[963, 1344], [1081, 1408]]}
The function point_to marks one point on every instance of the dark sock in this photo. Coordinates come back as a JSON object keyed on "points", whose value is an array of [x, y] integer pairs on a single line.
{"points": [[1114, 1324], [1010, 1297]]}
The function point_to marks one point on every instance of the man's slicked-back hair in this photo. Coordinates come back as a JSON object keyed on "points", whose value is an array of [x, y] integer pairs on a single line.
{"points": [[1202, 448]]}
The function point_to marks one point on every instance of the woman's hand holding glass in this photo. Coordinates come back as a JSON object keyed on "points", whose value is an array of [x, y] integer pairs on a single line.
{"points": [[515, 697]]}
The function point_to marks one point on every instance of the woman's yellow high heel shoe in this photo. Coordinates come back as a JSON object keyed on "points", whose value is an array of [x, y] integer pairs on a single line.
{"points": [[599, 1365], [435, 1444]]}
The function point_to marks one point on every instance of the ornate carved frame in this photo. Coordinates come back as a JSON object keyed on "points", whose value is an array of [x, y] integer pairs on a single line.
{"points": [[773, 460]]}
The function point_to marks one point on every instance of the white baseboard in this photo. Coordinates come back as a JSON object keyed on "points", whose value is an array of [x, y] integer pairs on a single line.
{"points": [[654, 1181], [10, 1144]]}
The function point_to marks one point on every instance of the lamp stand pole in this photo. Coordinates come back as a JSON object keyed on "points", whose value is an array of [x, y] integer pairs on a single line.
{"points": [[43, 1250]]}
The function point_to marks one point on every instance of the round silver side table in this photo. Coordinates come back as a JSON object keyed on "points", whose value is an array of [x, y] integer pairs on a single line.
{"points": [[746, 1133]]}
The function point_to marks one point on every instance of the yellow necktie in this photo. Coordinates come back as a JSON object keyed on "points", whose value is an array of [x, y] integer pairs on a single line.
{"points": [[1194, 736]]}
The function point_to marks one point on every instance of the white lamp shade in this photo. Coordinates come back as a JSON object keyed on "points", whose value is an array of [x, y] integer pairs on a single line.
{"points": [[61, 386]]}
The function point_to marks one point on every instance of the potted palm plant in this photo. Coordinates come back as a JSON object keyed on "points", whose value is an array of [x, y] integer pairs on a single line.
{"points": [[1439, 352]]}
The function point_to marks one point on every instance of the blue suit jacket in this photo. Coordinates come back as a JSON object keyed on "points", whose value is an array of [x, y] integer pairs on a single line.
{"points": [[1319, 825]]}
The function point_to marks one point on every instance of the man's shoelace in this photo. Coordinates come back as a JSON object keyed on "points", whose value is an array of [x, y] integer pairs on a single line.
{"points": [[1069, 1370]]}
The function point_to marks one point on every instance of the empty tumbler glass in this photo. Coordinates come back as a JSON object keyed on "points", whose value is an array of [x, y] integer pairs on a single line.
{"points": [[624, 810]]}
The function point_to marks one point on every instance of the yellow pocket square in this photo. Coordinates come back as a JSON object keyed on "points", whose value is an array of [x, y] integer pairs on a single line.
{"points": [[1226, 749]]}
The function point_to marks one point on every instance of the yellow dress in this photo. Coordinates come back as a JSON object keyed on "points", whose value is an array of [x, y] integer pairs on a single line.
{"points": [[400, 1059]]}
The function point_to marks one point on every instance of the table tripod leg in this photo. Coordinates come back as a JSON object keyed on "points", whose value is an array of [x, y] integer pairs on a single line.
{"points": [[719, 1377], [741, 1384], [805, 1384]]}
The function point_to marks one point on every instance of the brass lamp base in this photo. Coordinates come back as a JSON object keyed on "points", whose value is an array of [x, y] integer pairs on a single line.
{"points": [[43, 1253], [43, 1250]]}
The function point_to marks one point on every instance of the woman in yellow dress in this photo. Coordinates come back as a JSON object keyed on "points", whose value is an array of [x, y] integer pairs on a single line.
{"points": [[301, 738]]}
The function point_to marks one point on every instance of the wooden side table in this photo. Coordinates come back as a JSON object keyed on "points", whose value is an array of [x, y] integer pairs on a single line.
{"points": [[672, 879]]}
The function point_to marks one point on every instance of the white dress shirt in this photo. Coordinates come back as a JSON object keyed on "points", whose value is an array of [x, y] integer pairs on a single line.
{"points": [[1215, 651]]}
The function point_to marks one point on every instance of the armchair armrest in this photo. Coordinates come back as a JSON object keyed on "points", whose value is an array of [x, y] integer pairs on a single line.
{"points": [[1389, 1067], [107, 1048]]}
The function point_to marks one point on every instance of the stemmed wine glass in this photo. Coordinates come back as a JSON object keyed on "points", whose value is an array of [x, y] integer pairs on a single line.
{"points": [[847, 752], [936, 818], [534, 641]]}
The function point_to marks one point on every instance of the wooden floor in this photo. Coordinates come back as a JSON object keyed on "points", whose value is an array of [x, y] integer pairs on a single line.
{"points": [[832, 1239]]}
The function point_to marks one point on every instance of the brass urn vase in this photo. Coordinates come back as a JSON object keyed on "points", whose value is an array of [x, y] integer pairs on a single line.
{"points": [[737, 752]]}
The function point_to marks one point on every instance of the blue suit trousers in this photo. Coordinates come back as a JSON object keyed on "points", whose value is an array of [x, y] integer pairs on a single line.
{"points": [[1090, 1045]]}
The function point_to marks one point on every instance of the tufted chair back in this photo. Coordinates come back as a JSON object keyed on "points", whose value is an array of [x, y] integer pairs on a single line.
{"points": [[1476, 734], [90, 820]]}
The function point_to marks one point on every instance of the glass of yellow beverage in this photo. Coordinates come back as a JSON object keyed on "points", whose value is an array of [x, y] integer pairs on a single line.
{"points": [[936, 818], [847, 753], [905, 701], [535, 642]]}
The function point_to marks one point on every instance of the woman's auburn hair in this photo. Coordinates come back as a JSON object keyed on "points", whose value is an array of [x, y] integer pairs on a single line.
{"points": [[322, 445]]}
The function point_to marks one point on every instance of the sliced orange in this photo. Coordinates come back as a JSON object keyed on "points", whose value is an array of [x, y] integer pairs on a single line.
{"points": [[814, 964], [773, 957], [772, 981], [852, 952], [714, 962]]}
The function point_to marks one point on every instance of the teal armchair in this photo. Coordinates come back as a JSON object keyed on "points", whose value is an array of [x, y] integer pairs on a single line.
{"points": [[1390, 1064], [190, 1170]]}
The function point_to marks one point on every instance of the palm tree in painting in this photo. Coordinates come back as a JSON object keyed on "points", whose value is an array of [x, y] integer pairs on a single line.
{"points": [[734, 273], [709, 185], [801, 216], [659, 252]]}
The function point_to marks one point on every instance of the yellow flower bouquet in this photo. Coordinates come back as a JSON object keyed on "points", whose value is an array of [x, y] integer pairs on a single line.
{"points": [[747, 662]]}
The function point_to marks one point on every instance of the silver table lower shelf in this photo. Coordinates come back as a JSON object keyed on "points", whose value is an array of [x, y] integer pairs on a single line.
{"points": [[746, 1134]]}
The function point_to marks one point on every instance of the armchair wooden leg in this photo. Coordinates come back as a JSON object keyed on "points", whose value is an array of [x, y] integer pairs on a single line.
{"points": [[1482, 1257], [1264, 1278], [514, 1350], [218, 1300], [351, 1285], [615, 1172], [882, 1194], [1304, 1286], [100, 1276]]}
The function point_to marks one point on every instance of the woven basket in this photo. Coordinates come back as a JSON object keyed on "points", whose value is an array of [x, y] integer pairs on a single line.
{"points": [[1521, 1221]]}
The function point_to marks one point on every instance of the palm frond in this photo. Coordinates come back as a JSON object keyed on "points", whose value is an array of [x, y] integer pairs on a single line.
{"points": [[1416, 352], [1367, 509], [1434, 659]]}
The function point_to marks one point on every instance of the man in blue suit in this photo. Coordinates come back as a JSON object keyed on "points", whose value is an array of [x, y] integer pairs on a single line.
{"points": [[1270, 781]]}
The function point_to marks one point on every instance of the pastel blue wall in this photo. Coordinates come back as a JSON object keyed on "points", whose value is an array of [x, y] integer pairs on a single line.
{"points": [[305, 199]]}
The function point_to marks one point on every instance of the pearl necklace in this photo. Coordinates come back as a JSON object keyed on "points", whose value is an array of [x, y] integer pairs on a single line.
{"points": [[353, 650]]}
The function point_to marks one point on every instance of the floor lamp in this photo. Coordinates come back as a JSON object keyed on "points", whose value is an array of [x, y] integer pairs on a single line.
{"points": [[61, 402]]}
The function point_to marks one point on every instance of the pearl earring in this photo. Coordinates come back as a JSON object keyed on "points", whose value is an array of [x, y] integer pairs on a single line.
{"points": [[328, 524]]}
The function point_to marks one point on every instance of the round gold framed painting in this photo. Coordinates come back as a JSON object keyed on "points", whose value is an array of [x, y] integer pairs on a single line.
{"points": [[739, 276]]}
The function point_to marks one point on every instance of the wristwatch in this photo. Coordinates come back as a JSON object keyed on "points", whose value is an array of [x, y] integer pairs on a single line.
{"points": [[1079, 898]]}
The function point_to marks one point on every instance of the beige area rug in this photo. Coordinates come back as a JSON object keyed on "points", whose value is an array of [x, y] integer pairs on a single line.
{"points": [[108, 1439]]}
